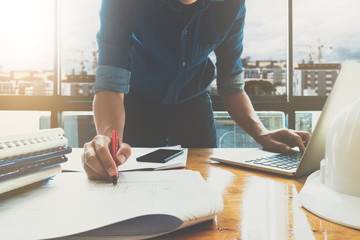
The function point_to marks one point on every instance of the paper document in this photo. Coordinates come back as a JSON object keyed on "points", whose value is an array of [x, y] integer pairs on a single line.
{"points": [[131, 164], [141, 205], [74, 162]]}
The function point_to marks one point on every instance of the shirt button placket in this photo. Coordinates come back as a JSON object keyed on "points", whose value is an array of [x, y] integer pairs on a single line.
{"points": [[183, 64]]}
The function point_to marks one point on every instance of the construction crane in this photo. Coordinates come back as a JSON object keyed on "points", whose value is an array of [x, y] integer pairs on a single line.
{"points": [[311, 53], [83, 61], [95, 60], [320, 47]]}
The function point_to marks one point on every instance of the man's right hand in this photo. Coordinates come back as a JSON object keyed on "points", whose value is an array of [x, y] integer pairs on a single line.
{"points": [[97, 160]]}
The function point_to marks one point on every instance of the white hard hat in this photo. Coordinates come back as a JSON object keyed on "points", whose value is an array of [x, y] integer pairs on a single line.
{"points": [[341, 168], [333, 192]]}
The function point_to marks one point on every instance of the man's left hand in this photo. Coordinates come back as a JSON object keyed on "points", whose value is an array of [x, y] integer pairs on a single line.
{"points": [[283, 140]]}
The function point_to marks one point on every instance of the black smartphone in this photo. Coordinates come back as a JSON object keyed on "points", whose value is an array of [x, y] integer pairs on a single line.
{"points": [[160, 155]]}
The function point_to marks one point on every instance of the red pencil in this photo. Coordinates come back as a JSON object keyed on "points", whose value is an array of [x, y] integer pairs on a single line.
{"points": [[114, 149]]}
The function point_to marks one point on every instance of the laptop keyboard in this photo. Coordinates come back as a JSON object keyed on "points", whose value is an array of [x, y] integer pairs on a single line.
{"points": [[281, 161]]}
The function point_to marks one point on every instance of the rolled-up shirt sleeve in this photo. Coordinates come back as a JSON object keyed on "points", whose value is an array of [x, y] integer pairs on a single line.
{"points": [[230, 76], [231, 85], [114, 41], [110, 78]]}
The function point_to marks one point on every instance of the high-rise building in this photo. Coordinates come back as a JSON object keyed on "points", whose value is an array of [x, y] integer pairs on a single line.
{"points": [[315, 79]]}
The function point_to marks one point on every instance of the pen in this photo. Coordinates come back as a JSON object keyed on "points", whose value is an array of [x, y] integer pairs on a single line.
{"points": [[114, 149]]}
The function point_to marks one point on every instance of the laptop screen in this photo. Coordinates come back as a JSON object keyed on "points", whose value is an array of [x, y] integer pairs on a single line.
{"points": [[345, 91]]}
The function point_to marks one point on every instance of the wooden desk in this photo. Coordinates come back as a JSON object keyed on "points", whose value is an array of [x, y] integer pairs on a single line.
{"points": [[257, 206]]}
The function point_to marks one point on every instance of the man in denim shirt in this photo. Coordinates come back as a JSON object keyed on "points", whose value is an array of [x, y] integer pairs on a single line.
{"points": [[154, 65]]}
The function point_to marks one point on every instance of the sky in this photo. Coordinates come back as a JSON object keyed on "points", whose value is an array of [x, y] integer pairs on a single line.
{"points": [[27, 32], [320, 22]]}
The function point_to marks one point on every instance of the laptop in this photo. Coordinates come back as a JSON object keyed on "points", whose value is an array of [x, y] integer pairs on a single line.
{"points": [[345, 90]]}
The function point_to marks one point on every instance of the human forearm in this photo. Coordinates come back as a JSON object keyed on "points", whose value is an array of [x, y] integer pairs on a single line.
{"points": [[242, 112], [109, 113]]}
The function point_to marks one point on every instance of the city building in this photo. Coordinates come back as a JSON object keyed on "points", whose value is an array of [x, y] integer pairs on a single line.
{"points": [[78, 85], [315, 79], [27, 82], [265, 77]]}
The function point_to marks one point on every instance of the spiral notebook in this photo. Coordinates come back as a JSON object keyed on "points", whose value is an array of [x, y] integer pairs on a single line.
{"points": [[31, 157]]}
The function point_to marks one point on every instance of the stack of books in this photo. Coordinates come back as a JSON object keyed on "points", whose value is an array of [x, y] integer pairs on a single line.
{"points": [[31, 157]]}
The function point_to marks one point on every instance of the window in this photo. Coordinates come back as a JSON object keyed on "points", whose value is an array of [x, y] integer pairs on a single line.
{"points": [[319, 49], [78, 46], [79, 127], [293, 51], [264, 54], [306, 120], [229, 135], [26, 47]]}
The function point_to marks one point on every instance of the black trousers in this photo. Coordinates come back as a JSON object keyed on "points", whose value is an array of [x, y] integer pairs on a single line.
{"points": [[189, 124]]}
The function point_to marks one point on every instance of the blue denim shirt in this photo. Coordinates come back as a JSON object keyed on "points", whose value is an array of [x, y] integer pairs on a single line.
{"points": [[150, 47]]}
